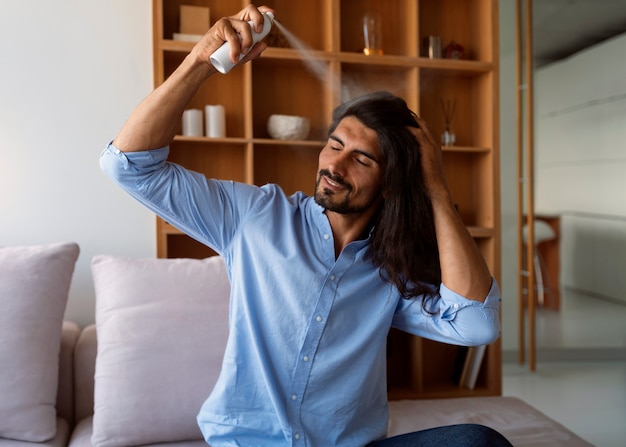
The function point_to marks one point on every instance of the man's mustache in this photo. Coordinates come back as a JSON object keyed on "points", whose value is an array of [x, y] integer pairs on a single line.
{"points": [[335, 178]]}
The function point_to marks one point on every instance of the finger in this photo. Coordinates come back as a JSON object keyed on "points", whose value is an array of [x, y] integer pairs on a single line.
{"points": [[228, 30], [419, 134], [254, 52], [244, 37], [423, 133], [254, 14], [240, 23], [421, 121]]}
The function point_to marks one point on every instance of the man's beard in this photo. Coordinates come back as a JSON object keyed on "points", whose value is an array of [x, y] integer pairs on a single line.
{"points": [[324, 198]]}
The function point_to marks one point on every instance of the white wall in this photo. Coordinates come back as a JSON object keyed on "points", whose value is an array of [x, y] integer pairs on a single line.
{"points": [[581, 164], [71, 72]]}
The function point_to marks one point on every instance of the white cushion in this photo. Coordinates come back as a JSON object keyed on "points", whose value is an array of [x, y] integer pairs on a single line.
{"points": [[162, 326], [34, 283]]}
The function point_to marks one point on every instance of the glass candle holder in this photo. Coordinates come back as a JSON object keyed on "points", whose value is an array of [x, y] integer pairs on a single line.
{"points": [[372, 34]]}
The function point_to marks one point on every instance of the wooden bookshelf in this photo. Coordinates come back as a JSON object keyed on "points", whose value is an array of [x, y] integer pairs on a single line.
{"points": [[279, 82]]}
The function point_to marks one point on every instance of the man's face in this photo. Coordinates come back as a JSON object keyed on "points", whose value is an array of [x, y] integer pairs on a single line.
{"points": [[349, 175]]}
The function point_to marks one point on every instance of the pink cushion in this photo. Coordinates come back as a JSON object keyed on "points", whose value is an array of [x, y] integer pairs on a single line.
{"points": [[34, 284], [162, 326]]}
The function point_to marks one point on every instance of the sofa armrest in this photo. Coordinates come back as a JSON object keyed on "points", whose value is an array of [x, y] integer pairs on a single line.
{"points": [[84, 371], [65, 389]]}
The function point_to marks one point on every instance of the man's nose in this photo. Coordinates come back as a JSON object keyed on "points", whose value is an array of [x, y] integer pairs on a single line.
{"points": [[338, 164]]}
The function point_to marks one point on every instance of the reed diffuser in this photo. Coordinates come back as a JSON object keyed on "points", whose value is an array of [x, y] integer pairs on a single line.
{"points": [[447, 137]]}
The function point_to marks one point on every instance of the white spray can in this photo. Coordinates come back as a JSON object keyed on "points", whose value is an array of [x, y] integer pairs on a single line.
{"points": [[221, 57]]}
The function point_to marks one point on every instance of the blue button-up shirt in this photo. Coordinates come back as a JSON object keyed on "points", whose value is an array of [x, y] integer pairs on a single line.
{"points": [[305, 362]]}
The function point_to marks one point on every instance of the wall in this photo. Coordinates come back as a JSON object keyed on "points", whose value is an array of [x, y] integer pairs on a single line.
{"points": [[71, 73], [580, 164], [580, 132]]}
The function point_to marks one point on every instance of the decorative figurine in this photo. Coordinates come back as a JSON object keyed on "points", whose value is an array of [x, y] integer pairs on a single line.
{"points": [[454, 51]]}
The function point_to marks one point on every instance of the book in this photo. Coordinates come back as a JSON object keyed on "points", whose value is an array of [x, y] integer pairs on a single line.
{"points": [[471, 367]]}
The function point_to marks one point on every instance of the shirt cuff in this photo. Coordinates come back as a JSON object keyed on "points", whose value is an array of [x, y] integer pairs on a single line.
{"points": [[451, 302]]}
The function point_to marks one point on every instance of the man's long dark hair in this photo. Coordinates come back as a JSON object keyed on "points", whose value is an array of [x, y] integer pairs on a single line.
{"points": [[403, 240]]}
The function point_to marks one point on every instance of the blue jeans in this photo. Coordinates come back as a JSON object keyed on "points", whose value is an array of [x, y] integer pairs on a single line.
{"points": [[462, 435]]}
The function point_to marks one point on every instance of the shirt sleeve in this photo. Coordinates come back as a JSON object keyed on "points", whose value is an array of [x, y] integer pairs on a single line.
{"points": [[200, 207], [454, 318]]}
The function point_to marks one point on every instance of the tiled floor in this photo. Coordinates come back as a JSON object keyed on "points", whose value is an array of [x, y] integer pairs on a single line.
{"points": [[585, 395], [582, 322]]}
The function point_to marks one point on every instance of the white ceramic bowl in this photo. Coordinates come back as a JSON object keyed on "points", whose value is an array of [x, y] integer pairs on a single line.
{"points": [[288, 127]]}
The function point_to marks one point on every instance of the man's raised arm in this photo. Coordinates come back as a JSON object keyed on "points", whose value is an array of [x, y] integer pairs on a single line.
{"points": [[463, 268], [156, 119]]}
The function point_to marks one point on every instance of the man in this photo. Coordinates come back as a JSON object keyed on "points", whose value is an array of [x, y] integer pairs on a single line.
{"points": [[316, 282]]}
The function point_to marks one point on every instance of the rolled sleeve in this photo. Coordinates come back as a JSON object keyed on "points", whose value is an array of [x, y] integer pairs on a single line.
{"points": [[123, 167], [454, 318], [144, 175], [205, 209]]}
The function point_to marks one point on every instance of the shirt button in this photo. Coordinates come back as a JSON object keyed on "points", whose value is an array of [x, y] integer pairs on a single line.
{"points": [[305, 358], [117, 151], [297, 436], [456, 305], [332, 277], [294, 397], [318, 318], [326, 236]]}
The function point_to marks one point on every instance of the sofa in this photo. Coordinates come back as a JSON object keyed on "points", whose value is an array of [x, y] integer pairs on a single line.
{"points": [[140, 373]]}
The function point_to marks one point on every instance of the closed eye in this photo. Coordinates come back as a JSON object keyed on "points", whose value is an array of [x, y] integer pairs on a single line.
{"points": [[363, 157], [365, 161]]}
